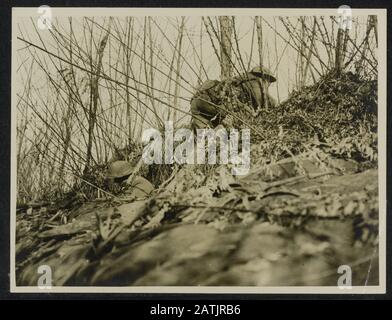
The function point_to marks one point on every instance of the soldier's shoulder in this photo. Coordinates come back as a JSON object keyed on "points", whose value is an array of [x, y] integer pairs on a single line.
{"points": [[139, 181], [139, 186]]}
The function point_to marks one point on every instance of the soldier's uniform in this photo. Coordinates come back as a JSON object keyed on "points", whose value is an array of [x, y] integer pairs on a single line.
{"points": [[203, 105], [138, 187], [208, 105], [120, 174], [255, 85]]}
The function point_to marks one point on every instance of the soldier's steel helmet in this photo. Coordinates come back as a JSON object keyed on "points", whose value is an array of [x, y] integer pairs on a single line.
{"points": [[119, 169], [264, 73], [244, 77], [207, 85]]}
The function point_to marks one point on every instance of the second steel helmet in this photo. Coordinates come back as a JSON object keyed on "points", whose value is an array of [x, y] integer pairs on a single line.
{"points": [[119, 169]]}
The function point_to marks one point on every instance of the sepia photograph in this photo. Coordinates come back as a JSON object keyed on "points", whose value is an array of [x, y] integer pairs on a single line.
{"points": [[198, 150]]}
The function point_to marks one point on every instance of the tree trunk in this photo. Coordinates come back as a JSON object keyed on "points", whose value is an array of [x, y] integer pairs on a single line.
{"points": [[259, 28], [67, 123], [226, 46], [177, 84], [371, 23], [262, 84], [309, 55], [339, 51], [127, 72], [94, 103]]}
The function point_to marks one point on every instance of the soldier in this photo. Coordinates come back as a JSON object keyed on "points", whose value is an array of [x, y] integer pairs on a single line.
{"points": [[120, 174], [256, 83], [213, 97], [204, 113]]}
